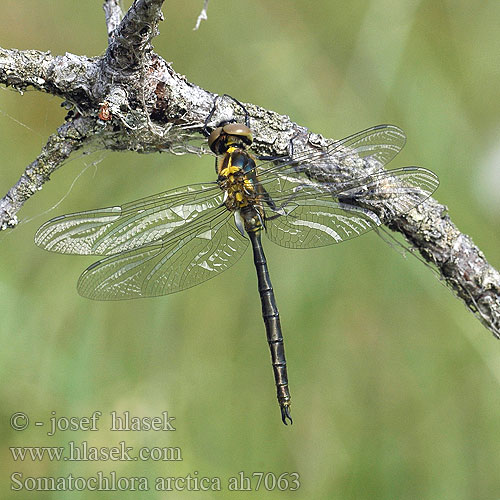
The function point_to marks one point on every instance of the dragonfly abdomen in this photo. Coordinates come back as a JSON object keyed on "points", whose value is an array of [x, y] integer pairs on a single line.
{"points": [[271, 318]]}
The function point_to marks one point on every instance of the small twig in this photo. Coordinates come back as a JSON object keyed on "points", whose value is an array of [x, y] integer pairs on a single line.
{"points": [[113, 13], [202, 16]]}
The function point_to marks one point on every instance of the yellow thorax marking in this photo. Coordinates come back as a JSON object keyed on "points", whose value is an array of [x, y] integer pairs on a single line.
{"points": [[237, 190], [230, 169]]}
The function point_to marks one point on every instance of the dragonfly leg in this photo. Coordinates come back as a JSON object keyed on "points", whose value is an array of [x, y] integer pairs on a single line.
{"points": [[205, 130]]}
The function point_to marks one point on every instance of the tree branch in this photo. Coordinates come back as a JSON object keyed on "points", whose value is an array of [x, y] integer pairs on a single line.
{"points": [[113, 14], [132, 99], [460, 263], [67, 76], [69, 137], [131, 43]]}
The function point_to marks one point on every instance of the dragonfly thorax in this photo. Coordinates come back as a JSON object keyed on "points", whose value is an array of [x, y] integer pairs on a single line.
{"points": [[238, 181], [239, 190]]}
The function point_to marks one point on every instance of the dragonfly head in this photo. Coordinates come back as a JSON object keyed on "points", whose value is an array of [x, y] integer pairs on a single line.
{"points": [[231, 134]]}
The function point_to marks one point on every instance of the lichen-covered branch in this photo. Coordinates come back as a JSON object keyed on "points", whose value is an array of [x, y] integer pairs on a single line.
{"points": [[460, 263], [113, 15], [70, 137], [131, 42], [132, 99], [67, 76]]}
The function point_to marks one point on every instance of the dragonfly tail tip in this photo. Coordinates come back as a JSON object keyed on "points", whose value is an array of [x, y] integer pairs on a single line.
{"points": [[285, 414]]}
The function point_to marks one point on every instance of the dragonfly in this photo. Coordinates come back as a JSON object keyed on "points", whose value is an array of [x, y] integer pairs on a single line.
{"points": [[179, 238]]}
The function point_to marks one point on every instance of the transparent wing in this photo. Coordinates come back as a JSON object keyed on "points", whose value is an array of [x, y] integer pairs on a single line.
{"points": [[313, 223], [370, 150], [380, 143], [117, 229], [179, 140], [184, 259], [309, 214]]}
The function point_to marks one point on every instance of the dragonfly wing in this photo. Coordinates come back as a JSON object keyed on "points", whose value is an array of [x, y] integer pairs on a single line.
{"points": [[305, 215], [311, 223], [380, 143], [181, 261], [183, 140], [391, 192], [368, 150], [117, 229]]}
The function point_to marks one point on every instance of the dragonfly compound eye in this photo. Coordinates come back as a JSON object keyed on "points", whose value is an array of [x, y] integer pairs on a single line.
{"points": [[239, 130], [229, 134], [213, 139]]}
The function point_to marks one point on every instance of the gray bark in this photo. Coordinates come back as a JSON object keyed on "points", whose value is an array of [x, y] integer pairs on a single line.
{"points": [[113, 14], [131, 99]]}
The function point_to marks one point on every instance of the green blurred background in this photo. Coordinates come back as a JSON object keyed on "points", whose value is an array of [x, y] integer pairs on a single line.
{"points": [[395, 384]]}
